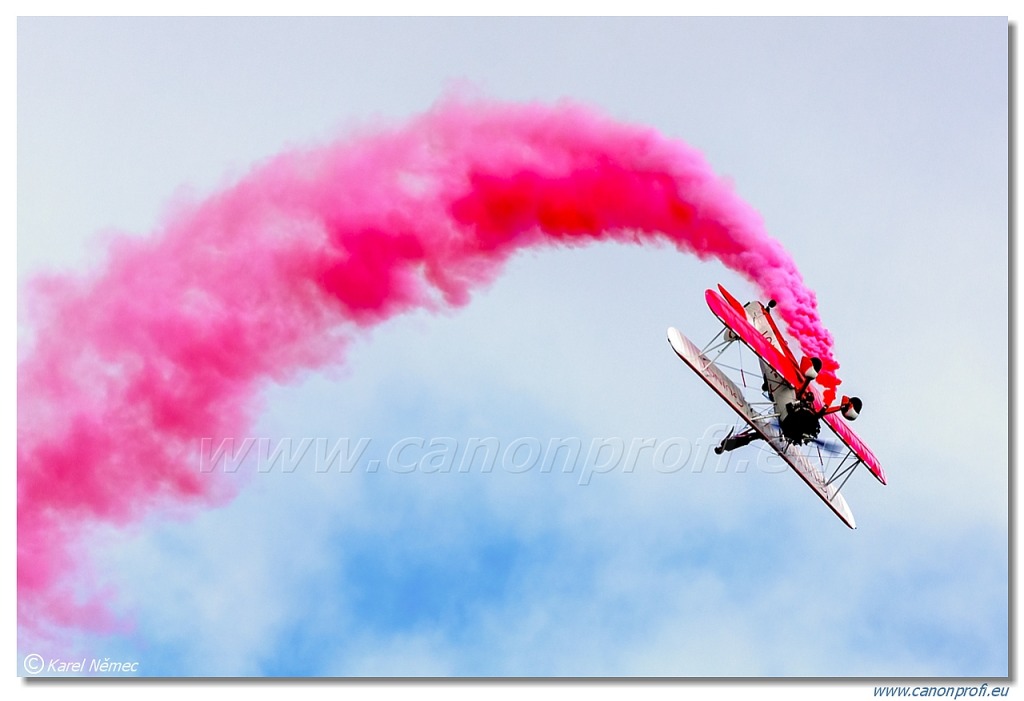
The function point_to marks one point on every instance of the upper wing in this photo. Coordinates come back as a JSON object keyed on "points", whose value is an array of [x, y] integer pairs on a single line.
{"points": [[731, 313], [735, 318]]}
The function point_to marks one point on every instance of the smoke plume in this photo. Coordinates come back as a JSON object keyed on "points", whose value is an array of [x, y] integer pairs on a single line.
{"points": [[174, 336]]}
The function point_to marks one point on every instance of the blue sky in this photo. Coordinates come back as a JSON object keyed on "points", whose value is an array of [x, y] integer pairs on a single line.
{"points": [[875, 150]]}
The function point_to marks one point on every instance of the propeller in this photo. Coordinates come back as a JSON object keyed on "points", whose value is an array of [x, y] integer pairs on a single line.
{"points": [[833, 447]]}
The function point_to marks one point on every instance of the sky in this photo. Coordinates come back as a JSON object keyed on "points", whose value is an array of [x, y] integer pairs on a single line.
{"points": [[875, 150]]}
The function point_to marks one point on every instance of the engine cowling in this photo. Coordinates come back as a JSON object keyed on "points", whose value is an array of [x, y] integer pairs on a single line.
{"points": [[851, 407]]}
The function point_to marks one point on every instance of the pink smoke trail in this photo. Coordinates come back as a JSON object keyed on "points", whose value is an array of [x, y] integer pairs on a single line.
{"points": [[173, 339]]}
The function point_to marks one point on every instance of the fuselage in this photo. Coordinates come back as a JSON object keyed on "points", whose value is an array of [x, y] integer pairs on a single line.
{"points": [[798, 420]]}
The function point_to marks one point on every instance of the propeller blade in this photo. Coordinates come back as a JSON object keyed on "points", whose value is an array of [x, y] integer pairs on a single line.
{"points": [[830, 446]]}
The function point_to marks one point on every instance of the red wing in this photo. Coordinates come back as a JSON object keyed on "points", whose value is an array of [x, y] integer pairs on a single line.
{"points": [[737, 321], [847, 436], [731, 314], [843, 431]]}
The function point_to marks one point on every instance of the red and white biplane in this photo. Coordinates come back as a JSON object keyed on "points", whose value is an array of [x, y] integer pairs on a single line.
{"points": [[790, 420]]}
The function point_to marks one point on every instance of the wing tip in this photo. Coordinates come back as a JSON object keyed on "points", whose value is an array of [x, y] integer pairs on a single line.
{"points": [[733, 302], [846, 516]]}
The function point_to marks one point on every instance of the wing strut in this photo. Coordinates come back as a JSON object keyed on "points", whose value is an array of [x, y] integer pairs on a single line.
{"points": [[844, 471]]}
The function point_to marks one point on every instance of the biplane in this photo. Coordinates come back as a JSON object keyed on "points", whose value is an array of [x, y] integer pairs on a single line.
{"points": [[788, 413]]}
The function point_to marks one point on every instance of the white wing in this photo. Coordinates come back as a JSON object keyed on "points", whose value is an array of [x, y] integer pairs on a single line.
{"points": [[733, 396]]}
